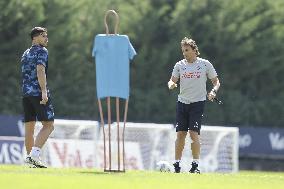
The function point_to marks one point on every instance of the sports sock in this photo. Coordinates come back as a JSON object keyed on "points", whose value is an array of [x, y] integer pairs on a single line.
{"points": [[35, 152], [195, 161], [177, 161]]}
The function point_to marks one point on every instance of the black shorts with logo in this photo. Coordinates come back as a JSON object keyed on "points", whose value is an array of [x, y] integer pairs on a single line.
{"points": [[33, 110], [189, 116]]}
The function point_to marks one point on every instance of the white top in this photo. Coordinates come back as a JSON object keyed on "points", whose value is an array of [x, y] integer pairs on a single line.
{"points": [[193, 77]]}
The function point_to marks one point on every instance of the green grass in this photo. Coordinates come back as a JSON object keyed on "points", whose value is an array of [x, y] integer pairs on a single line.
{"points": [[21, 177]]}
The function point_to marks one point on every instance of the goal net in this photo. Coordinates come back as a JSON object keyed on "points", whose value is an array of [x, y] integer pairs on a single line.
{"points": [[219, 149], [77, 143]]}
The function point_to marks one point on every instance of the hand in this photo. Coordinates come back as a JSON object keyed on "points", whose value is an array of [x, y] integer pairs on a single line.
{"points": [[44, 98], [171, 84], [211, 95]]}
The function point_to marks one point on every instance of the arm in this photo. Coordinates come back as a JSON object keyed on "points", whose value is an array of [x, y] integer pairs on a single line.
{"points": [[172, 82], [41, 76], [216, 85]]}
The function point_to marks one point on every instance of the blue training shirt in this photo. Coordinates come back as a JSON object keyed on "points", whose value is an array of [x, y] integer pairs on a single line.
{"points": [[30, 59], [112, 54]]}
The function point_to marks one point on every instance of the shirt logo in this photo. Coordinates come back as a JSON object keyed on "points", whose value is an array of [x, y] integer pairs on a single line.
{"points": [[191, 75]]}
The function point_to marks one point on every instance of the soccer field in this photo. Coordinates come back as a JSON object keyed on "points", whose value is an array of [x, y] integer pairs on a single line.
{"points": [[22, 177]]}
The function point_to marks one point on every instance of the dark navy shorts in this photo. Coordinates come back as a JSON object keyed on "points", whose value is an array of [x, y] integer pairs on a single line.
{"points": [[34, 111], [189, 116]]}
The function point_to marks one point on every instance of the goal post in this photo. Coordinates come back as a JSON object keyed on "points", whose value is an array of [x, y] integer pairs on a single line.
{"points": [[156, 142], [78, 143], [220, 149]]}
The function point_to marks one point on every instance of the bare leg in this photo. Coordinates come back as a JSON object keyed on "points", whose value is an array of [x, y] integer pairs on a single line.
{"points": [[179, 145], [29, 135], [44, 133], [195, 145]]}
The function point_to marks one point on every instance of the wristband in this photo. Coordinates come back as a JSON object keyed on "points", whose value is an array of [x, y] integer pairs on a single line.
{"points": [[214, 91]]}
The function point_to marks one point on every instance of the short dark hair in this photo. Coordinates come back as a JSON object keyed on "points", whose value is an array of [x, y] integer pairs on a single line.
{"points": [[37, 31], [191, 43]]}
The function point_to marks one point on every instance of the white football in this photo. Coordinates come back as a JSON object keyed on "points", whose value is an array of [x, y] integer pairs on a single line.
{"points": [[163, 166]]}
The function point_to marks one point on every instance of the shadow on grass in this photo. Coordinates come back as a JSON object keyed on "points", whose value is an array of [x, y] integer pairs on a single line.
{"points": [[100, 172]]}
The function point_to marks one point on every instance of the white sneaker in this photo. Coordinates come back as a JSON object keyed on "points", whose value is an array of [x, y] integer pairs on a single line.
{"points": [[34, 162]]}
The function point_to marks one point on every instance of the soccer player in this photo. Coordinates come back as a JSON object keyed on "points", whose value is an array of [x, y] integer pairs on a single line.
{"points": [[192, 72], [36, 96]]}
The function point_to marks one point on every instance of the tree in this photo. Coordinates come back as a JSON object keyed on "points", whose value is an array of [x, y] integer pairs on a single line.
{"points": [[243, 40]]}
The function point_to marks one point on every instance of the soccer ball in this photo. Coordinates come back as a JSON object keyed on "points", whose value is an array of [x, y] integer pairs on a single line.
{"points": [[163, 166]]}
